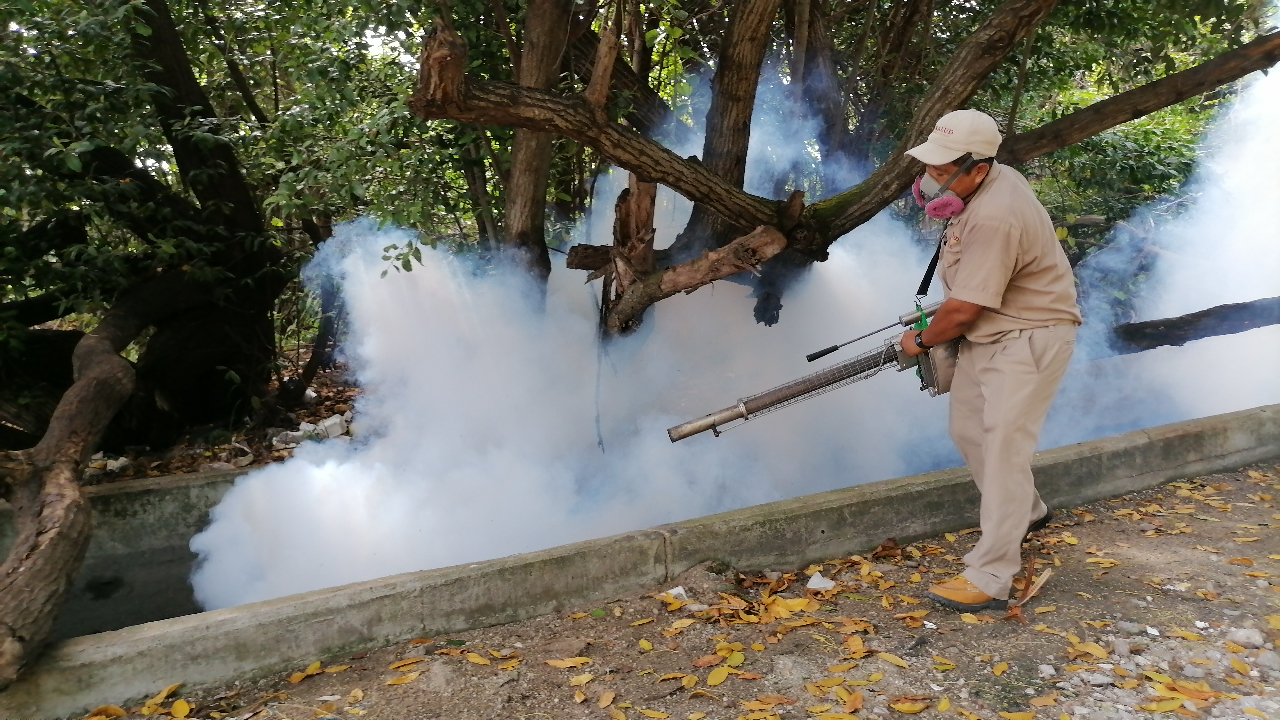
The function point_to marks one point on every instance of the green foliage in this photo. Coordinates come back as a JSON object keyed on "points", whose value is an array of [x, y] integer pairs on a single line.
{"points": [[333, 78]]}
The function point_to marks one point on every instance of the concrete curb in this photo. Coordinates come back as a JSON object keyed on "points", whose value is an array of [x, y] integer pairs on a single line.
{"points": [[139, 556], [252, 640]]}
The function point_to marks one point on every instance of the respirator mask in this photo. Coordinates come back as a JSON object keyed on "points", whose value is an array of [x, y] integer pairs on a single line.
{"points": [[937, 200]]}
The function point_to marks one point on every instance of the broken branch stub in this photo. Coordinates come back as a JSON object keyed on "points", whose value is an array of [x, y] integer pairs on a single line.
{"points": [[745, 253], [442, 66]]}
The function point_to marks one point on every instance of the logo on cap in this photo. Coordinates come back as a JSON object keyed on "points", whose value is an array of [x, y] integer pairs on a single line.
{"points": [[944, 130]]}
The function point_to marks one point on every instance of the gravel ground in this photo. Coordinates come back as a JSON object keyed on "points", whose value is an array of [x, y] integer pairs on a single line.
{"points": [[1158, 603]]}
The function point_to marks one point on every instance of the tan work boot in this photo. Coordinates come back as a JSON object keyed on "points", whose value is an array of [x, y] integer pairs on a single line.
{"points": [[960, 594]]}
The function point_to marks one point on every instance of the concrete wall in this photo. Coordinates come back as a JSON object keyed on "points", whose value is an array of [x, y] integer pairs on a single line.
{"points": [[220, 646], [138, 561]]}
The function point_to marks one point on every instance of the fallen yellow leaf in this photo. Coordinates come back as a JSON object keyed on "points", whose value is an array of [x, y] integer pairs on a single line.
{"points": [[1093, 649], [641, 622], [1245, 540], [893, 660], [944, 704], [1043, 701], [478, 659], [909, 707], [1103, 562], [405, 679], [180, 709], [1017, 715], [404, 663], [654, 714], [109, 711], [1046, 608], [1163, 705], [355, 696], [696, 716], [1240, 666], [842, 667], [969, 618], [875, 677], [1255, 712], [606, 699], [1000, 669], [160, 696], [735, 659], [336, 668], [616, 714], [582, 679], [717, 676], [688, 681], [1274, 621], [645, 645], [681, 624], [573, 662], [579, 696], [1184, 634], [510, 664]]}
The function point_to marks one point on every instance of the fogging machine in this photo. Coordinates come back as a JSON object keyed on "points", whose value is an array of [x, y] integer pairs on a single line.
{"points": [[935, 369]]}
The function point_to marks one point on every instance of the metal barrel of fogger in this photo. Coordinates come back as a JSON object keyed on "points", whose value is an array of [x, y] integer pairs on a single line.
{"points": [[796, 390]]}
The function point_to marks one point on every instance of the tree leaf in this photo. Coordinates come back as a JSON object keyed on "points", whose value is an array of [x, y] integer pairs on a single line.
{"points": [[717, 676], [893, 659], [405, 679]]}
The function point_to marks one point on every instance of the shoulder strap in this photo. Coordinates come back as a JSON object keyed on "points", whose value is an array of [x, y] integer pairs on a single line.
{"points": [[927, 280]]}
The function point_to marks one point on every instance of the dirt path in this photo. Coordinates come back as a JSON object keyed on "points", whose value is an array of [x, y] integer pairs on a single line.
{"points": [[1158, 603]]}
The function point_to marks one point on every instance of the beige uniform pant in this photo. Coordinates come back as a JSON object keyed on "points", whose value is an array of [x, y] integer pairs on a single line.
{"points": [[999, 399]]}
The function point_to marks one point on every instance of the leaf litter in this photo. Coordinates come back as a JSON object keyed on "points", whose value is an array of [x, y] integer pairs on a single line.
{"points": [[759, 646]]}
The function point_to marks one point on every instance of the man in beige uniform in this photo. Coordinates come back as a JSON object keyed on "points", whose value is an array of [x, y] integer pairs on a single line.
{"points": [[1010, 292]]}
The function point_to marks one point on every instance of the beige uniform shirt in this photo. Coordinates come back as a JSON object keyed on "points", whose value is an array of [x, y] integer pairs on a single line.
{"points": [[1002, 253]]}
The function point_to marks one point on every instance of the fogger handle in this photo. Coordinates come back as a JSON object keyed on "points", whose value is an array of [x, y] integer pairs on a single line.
{"points": [[911, 318], [821, 353]]}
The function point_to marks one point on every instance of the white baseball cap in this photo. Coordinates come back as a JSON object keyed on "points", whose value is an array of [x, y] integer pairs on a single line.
{"points": [[956, 133]]}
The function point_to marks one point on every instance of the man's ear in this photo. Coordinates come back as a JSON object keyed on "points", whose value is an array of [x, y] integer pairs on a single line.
{"points": [[980, 172]]}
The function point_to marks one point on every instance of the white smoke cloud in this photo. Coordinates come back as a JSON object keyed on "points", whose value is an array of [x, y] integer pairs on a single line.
{"points": [[479, 416]]}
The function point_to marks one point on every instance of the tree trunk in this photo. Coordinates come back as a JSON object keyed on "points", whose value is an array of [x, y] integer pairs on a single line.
{"points": [[50, 513], [546, 31], [733, 98], [1221, 320]]}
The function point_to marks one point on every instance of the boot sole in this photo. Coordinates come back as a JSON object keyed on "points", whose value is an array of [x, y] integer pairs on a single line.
{"points": [[1040, 524], [992, 604]]}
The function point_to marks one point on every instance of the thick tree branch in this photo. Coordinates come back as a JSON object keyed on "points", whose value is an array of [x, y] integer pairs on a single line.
{"points": [[745, 253], [501, 104], [1220, 320], [646, 111], [50, 513], [733, 99], [45, 307], [1172, 89], [209, 168], [971, 63], [233, 68]]}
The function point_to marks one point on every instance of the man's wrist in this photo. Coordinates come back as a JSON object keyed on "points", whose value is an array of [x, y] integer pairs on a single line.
{"points": [[920, 343]]}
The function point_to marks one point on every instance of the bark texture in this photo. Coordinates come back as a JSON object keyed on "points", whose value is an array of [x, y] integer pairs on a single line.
{"points": [[50, 513], [546, 30], [745, 253], [1221, 320], [733, 98]]}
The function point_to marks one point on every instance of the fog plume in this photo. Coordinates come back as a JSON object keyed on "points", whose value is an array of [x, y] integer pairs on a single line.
{"points": [[478, 417]]}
